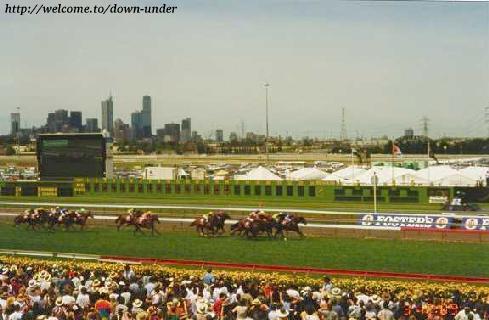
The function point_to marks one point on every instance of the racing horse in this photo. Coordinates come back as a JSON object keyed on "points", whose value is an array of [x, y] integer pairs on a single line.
{"points": [[282, 224], [146, 221], [214, 223], [33, 218], [128, 219], [76, 218], [219, 221], [252, 228]]}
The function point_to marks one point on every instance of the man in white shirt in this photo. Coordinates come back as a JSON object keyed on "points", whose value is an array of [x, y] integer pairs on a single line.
{"points": [[83, 299], [17, 314], [149, 287], [464, 314]]}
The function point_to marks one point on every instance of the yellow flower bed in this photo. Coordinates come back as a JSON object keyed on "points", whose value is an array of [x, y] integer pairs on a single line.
{"points": [[370, 286]]}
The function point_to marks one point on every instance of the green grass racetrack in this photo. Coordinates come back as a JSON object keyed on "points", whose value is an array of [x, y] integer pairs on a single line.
{"points": [[467, 259]]}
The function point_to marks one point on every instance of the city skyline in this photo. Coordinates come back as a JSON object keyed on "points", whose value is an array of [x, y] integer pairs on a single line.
{"points": [[389, 64]]}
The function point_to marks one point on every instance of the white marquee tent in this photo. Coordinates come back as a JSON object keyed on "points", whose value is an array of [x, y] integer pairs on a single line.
{"points": [[307, 174], [445, 175], [259, 173]]}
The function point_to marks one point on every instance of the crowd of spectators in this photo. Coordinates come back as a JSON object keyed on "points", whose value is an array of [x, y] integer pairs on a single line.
{"points": [[51, 291]]}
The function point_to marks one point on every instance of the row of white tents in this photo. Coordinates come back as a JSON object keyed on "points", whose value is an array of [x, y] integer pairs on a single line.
{"points": [[442, 175]]}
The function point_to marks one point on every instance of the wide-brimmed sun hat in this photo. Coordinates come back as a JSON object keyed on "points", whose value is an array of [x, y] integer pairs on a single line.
{"points": [[336, 291], [282, 313], [137, 303]]}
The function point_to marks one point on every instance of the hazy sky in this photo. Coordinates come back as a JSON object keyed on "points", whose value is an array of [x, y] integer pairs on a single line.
{"points": [[388, 63]]}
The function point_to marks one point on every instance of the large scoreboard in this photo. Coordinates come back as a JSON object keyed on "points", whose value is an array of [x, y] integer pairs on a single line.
{"points": [[68, 156]]}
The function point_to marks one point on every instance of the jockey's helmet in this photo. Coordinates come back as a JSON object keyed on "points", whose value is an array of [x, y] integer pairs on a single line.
{"points": [[82, 210], [130, 210]]}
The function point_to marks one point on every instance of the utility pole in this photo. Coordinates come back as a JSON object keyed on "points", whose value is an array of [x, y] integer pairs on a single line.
{"points": [[486, 118], [17, 134], [266, 120]]}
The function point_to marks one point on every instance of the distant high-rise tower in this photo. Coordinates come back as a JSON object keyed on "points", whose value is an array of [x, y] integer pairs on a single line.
{"points": [[425, 124], [14, 123], [108, 115], [219, 135], [186, 130], [137, 124], [76, 120], [91, 125], [343, 133], [146, 117]]}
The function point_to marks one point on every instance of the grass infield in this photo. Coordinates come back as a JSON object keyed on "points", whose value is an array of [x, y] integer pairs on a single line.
{"points": [[466, 259], [149, 200]]}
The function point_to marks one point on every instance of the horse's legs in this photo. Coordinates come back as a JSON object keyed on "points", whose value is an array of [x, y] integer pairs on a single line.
{"points": [[301, 234]]}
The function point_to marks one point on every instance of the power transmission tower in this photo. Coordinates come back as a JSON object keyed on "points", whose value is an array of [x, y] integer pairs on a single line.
{"points": [[343, 134]]}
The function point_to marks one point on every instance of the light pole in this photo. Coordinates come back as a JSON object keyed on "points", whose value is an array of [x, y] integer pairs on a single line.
{"points": [[374, 182], [266, 119]]}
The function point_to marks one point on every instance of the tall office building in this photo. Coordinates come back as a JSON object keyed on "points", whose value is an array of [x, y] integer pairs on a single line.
{"points": [[186, 132], [58, 121], [137, 124], [14, 123], [108, 115], [76, 120], [146, 117], [219, 135], [172, 131], [92, 125]]}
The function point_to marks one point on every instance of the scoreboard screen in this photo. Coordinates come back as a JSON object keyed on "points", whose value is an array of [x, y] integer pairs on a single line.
{"points": [[68, 156]]}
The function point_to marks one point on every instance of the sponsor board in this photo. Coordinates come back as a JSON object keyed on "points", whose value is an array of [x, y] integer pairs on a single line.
{"points": [[405, 220], [438, 199], [481, 223]]}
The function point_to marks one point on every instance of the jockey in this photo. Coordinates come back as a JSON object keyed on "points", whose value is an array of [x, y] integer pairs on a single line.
{"points": [[262, 215], [36, 213], [78, 213], [254, 215], [133, 214], [206, 217], [143, 216], [288, 217], [62, 213], [27, 213]]}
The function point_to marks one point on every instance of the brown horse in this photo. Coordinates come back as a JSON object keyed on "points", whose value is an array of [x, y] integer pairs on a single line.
{"points": [[291, 224], [81, 218], [213, 224], [128, 219], [33, 218], [251, 228], [124, 220], [146, 221]]}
